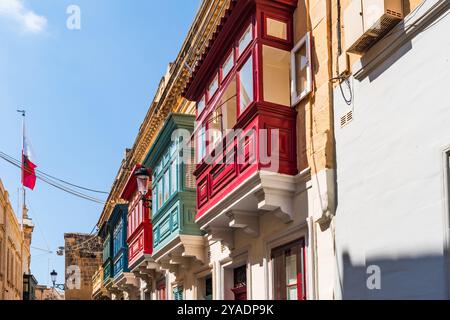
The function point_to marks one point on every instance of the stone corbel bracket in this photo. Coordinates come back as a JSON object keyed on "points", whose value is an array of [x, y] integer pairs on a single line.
{"points": [[247, 221], [277, 195], [194, 247], [224, 235]]}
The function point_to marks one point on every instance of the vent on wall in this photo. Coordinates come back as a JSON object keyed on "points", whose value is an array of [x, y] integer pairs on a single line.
{"points": [[346, 118], [367, 21]]}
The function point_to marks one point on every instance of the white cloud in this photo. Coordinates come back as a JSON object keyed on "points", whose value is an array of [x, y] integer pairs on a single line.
{"points": [[28, 19]]}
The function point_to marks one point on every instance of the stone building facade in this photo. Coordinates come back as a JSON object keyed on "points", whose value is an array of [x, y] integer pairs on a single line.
{"points": [[284, 234], [46, 293], [15, 244], [83, 257]]}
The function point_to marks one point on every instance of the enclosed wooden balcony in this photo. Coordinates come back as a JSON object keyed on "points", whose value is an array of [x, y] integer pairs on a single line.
{"points": [[176, 237], [245, 133]]}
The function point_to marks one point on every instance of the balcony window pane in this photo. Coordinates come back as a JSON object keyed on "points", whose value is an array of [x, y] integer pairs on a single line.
{"points": [[228, 104], [276, 75], [166, 185], [213, 87], [246, 84], [173, 177], [301, 62], [245, 40], [201, 144], [215, 128], [301, 70], [277, 29], [227, 66], [160, 193], [154, 199], [201, 105]]}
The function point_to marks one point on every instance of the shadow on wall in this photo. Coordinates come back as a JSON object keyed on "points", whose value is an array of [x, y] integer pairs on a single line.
{"points": [[412, 278], [399, 32]]}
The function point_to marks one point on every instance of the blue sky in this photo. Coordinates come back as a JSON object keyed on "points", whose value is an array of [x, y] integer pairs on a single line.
{"points": [[86, 93]]}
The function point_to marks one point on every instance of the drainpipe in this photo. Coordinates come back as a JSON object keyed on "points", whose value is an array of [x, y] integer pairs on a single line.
{"points": [[332, 186]]}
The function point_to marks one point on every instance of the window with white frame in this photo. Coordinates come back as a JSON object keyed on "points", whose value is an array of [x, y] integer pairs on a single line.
{"points": [[160, 193], [166, 185], [301, 70], [228, 65], [201, 105], [246, 84], [201, 143], [173, 177], [245, 40], [212, 89]]}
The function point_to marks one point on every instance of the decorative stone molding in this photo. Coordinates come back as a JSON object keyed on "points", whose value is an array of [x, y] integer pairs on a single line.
{"points": [[248, 221], [224, 235], [194, 246], [129, 283], [277, 195], [181, 253]]}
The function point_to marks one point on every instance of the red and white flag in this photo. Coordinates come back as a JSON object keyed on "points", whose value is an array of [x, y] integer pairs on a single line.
{"points": [[28, 164]]}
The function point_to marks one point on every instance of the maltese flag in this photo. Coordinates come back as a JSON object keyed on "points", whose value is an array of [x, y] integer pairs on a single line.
{"points": [[28, 164]]}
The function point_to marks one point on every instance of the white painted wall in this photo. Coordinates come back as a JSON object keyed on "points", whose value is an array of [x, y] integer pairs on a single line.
{"points": [[391, 209]]}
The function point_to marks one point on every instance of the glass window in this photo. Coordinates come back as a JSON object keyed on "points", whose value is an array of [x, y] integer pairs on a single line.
{"points": [[166, 185], [228, 104], [160, 193], [301, 62], [301, 73], [208, 288], [246, 85], [173, 177], [213, 87], [154, 199], [289, 274], [245, 40], [201, 143], [276, 28], [215, 128], [228, 65], [276, 77], [201, 105]]}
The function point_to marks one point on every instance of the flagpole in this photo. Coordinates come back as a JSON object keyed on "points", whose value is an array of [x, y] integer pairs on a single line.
{"points": [[24, 206]]}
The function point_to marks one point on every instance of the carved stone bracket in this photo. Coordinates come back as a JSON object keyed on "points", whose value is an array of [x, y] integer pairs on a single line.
{"points": [[194, 247], [224, 235], [248, 221], [277, 195]]}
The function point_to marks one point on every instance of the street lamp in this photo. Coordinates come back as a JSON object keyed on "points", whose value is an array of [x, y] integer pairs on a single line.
{"points": [[143, 178], [53, 275]]}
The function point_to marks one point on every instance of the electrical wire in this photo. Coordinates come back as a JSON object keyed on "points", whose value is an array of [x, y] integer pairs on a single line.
{"points": [[71, 184], [40, 249], [349, 100], [49, 181]]}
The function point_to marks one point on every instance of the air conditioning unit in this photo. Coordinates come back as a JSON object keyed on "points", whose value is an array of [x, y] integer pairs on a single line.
{"points": [[367, 21]]}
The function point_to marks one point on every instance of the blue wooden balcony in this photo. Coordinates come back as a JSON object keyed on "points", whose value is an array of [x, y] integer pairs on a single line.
{"points": [[118, 225]]}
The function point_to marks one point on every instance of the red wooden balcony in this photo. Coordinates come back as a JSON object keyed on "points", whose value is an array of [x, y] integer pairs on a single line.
{"points": [[139, 226], [246, 128]]}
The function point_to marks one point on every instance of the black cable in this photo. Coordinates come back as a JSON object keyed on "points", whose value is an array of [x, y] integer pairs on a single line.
{"points": [[60, 180], [71, 184], [349, 100], [50, 182]]}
